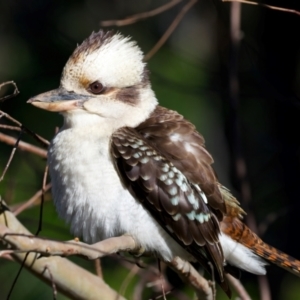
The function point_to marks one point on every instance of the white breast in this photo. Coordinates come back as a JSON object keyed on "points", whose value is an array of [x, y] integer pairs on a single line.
{"points": [[89, 195]]}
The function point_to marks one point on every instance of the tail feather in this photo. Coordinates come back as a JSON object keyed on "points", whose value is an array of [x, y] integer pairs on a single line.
{"points": [[240, 233]]}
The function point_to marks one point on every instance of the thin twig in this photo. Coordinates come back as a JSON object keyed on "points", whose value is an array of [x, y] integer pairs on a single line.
{"points": [[31, 201], [14, 94], [40, 139], [23, 145], [42, 199], [170, 30], [52, 282], [293, 11], [134, 270], [269, 219], [11, 156], [187, 272], [98, 267], [7, 116], [23, 264], [264, 290], [238, 287], [141, 16], [8, 127], [161, 279], [213, 280], [17, 276], [163, 295], [4, 253], [140, 287]]}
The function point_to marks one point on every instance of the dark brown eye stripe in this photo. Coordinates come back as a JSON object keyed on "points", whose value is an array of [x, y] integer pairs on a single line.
{"points": [[129, 95]]}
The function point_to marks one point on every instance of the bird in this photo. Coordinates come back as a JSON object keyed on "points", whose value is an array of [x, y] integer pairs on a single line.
{"points": [[123, 164]]}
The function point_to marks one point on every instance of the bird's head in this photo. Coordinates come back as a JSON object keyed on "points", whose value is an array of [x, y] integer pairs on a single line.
{"points": [[105, 80]]}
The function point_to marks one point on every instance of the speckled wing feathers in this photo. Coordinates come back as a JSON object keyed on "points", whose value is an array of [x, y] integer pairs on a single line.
{"points": [[179, 142], [157, 174]]}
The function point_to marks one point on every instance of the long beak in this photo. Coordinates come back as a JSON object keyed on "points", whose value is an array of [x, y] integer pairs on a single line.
{"points": [[58, 100]]}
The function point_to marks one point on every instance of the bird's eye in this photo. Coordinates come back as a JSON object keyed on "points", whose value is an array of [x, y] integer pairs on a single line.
{"points": [[95, 87]]}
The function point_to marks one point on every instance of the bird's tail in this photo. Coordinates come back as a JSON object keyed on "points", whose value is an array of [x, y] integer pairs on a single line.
{"points": [[240, 233]]}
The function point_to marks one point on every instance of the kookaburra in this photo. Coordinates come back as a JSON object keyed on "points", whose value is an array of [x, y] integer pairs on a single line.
{"points": [[122, 164]]}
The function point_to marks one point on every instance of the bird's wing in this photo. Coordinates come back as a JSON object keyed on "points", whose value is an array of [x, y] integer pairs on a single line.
{"points": [[180, 190], [178, 141]]}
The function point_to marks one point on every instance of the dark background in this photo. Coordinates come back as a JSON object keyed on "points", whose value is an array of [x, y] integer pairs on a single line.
{"points": [[189, 74]]}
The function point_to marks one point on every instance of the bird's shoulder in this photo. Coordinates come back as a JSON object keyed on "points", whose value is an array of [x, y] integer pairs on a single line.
{"points": [[177, 139]]}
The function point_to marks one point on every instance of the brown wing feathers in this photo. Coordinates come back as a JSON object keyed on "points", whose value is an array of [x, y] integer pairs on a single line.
{"points": [[157, 181], [164, 164], [179, 142], [164, 158], [174, 202]]}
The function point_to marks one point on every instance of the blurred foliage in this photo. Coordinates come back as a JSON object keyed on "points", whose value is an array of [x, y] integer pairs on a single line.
{"points": [[189, 74]]}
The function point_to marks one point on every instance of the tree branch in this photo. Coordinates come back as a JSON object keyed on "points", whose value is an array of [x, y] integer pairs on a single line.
{"points": [[16, 236], [38, 138], [53, 270], [238, 287], [14, 94], [170, 30], [18, 208], [188, 274], [23, 145], [141, 16], [293, 11]]}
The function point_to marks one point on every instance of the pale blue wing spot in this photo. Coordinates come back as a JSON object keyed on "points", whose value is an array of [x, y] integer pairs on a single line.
{"points": [[176, 217], [144, 160], [169, 181], [191, 215], [173, 191], [174, 200]]}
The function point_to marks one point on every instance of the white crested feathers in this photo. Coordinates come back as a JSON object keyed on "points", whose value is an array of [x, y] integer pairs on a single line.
{"points": [[117, 63]]}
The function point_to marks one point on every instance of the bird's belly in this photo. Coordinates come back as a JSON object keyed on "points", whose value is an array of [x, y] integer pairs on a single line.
{"points": [[89, 195]]}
